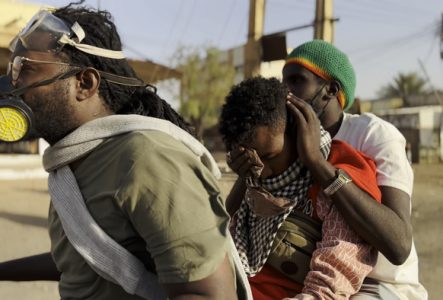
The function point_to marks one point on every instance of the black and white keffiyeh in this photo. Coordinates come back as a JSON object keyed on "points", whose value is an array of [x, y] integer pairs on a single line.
{"points": [[253, 235]]}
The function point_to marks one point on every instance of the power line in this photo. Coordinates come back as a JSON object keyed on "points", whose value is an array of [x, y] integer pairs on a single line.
{"points": [[386, 50], [137, 52], [370, 19], [140, 53], [372, 10], [174, 24], [424, 31], [184, 28], [230, 13], [402, 6], [435, 42], [429, 81], [188, 21], [387, 56], [244, 23]]}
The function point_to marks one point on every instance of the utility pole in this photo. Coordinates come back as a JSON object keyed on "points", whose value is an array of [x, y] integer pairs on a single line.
{"points": [[441, 37], [436, 95], [324, 21], [252, 52]]}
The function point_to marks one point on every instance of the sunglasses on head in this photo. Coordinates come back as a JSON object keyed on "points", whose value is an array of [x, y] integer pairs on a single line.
{"points": [[15, 67]]}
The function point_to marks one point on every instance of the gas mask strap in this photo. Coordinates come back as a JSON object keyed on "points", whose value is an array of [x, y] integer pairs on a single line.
{"points": [[122, 80], [64, 75]]}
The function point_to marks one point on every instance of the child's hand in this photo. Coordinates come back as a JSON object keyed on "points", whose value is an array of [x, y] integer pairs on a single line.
{"points": [[245, 162]]}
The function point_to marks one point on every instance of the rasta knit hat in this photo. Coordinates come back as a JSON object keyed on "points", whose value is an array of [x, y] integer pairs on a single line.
{"points": [[329, 63]]}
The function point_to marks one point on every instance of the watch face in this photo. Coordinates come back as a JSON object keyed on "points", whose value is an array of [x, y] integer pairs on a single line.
{"points": [[344, 176]]}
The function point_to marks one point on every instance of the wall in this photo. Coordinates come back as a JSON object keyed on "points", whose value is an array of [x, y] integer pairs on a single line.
{"points": [[236, 56], [422, 127]]}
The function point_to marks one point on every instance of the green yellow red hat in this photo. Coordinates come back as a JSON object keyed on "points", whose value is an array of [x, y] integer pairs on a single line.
{"points": [[329, 63]]}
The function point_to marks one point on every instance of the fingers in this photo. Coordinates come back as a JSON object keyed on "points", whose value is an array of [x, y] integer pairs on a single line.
{"points": [[298, 116], [292, 98], [291, 102], [293, 105], [305, 108], [237, 160], [242, 161], [237, 152]]}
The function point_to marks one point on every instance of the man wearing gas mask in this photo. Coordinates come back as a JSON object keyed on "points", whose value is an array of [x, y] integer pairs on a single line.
{"points": [[135, 208], [291, 239]]}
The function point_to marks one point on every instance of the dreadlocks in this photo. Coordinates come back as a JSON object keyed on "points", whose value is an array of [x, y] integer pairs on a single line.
{"points": [[254, 102], [101, 32]]}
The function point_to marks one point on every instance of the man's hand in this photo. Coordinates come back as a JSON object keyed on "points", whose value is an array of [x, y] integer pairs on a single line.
{"points": [[30, 268], [308, 130]]}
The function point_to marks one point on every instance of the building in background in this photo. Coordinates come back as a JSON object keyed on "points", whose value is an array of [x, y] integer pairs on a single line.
{"points": [[421, 124], [236, 57]]}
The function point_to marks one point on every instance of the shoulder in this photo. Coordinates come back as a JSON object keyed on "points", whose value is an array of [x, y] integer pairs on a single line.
{"points": [[383, 143], [143, 157], [367, 128], [148, 140], [146, 147], [159, 163], [375, 123], [366, 120]]}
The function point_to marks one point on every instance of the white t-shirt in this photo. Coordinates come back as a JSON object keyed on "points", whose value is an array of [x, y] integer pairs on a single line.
{"points": [[382, 142]]}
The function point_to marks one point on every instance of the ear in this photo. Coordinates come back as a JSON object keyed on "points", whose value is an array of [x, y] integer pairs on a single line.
{"points": [[88, 82], [334, 88]]}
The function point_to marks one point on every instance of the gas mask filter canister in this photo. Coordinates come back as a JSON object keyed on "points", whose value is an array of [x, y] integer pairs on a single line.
{"points": [[15, 115]]}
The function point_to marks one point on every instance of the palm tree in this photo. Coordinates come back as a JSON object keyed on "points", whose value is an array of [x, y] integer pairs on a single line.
{"points": [[404, 85]]}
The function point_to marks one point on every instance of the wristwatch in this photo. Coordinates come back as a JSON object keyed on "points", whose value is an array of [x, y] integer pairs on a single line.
{"points": [[341, 178]]}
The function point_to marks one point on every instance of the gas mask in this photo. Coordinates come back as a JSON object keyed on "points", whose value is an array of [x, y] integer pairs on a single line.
{"points": [[16, 117], [45, 33]]}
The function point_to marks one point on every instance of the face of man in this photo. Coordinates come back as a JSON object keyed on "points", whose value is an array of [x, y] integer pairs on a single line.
{"points": [[51, 104], [273, 148], [305, 85]]}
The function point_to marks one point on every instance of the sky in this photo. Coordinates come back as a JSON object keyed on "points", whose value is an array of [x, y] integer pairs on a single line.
{"points": [[381, 37]]}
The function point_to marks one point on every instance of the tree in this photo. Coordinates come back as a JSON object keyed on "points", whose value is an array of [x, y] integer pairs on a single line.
{"points": [[206, 80], [404, 85]]}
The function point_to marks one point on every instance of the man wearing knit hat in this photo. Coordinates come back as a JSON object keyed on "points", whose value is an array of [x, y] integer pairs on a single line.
{"points": [[318, 73]]}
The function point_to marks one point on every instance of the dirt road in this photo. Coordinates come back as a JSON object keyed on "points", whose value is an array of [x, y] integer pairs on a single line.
{"points": [[24, 205], [427, 221]]}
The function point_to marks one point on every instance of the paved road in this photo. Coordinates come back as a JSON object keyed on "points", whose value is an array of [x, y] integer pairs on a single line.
{"points": [[24, 203]]}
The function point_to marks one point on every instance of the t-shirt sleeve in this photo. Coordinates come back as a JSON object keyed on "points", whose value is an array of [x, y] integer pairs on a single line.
{"points": [[173, 202], [386, 146]]}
